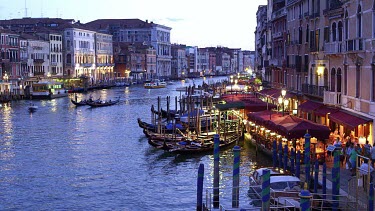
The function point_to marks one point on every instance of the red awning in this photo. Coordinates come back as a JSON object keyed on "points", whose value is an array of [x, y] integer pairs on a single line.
{"points": [[347, 119], [324, 110], [309, 106]]}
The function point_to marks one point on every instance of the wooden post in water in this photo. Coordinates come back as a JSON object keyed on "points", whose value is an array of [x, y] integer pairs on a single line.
{"points": [[298, 164], [266, 188], [216, 201], [292, 160], [316, 169], [324, 180], [307, 159], [274, 153], [280, 154], [371, 198], [159, 117], [200, 187], [236, 177], [336, 180], [285, 157], [305, 198]]}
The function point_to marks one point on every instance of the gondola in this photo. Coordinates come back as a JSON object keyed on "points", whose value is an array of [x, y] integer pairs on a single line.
{"points": [[199, 146], [103, 103], [80, 103], [169, 128], [32, 108]]}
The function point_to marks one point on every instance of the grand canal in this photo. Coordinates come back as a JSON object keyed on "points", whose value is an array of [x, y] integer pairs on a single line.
{"points": [[67, 158]]}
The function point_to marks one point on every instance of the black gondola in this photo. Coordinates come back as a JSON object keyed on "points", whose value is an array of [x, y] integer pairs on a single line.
{"points": [[102, 103]]}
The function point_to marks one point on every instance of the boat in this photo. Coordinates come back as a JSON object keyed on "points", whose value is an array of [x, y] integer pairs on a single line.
{"points": [[102, 103], [155, 84], [203, 144], [165, 128], [284, 187], [79, 103], [48, 90], [32, 108]]}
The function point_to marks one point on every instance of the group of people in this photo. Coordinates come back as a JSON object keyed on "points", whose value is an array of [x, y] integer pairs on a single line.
{"points": [[350, 151]]}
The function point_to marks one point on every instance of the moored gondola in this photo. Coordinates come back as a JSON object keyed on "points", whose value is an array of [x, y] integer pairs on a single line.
{"points": [[103, 103]]}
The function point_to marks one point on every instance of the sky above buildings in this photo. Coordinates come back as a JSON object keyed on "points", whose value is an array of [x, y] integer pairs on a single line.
{"points": [[202, 23]]}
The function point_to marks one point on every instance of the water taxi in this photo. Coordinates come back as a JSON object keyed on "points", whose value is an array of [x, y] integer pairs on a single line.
{"points": [[155, 84], [48, 90]]}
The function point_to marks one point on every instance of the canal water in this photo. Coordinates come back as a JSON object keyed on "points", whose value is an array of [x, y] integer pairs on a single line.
{"points": [[64, 157]]}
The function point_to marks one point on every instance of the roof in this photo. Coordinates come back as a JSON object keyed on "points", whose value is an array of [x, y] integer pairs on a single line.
{"points": [[121, 23], [309, 106], [324, 110], [347, 119]]}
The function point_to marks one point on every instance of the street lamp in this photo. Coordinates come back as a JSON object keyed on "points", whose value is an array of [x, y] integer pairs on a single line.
{"points": [[284, 102], [6, 77]]}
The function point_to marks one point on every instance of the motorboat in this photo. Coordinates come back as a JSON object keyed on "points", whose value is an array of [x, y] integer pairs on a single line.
{"points": [[32, 108], [284, 187], [155, 84]]}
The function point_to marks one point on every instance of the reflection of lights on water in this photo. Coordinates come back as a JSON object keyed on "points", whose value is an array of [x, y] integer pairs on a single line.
{"points": [[6, 123], [54, 105], [127, 90]]}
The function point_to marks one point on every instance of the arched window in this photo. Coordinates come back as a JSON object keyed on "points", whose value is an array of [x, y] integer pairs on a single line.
{"points": [[333, 80], [334, 32], [325, 75], [340, 31], [69, 58], [346, 25], [359, 21], [307, 33], [338, 77]]}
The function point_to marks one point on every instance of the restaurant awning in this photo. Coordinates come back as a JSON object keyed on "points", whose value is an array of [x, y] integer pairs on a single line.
{"points": [[300, 128], [230, 105], [309, 106], [351, 121], [324, 110]]}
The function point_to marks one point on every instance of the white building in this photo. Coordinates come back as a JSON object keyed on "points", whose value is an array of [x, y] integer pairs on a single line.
{"points": [[104, 57], [79, 55]]}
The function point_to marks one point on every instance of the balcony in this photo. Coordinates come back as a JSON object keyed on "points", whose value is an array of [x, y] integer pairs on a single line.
{"points": [[277, 35], [279, 13], [354, 45], [38, 60], [276, 62], [53, 63], [333, 48], [313, 90], [315, 15], [332, 98]]}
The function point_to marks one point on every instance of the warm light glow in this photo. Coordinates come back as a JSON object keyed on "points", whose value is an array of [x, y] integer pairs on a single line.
{"points": [[280, 100], [283, 92], [362, 140], [262, 128], [286, 102], [267, 131], [272, 134], [314, 140], [320, 70]]}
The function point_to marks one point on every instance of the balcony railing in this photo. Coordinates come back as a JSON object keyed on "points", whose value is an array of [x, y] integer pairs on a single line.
{"points": [[314, 90], [279, 13], [357, 44], [276, 62], [332, 98], [53, 63], [333, 48], [38, 60]]}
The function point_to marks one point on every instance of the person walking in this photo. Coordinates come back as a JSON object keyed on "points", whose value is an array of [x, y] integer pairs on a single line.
{"points": [[372, 153]]}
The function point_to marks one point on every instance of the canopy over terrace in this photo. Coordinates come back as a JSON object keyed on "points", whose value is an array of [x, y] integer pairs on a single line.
{"points": [[251, 103], [289, 126]]}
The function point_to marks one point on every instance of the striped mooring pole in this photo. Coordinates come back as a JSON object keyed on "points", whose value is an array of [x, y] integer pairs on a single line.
{"points": [[305, 198], [324, 181], [274, 153], [266, 186], [285, 157], [316, 174], [298, 164], [307, 159], [280, 154], [292, 156], [200, 187], [216, 171], [236, 177], [336, 180], [371, 198]]}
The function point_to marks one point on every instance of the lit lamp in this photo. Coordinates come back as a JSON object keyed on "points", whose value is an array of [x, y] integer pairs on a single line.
{"points": [[314, 141], [282, 99], [6, 77], [320, 70], [362, 140]]}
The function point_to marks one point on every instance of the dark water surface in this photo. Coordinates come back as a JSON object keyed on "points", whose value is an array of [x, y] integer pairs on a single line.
{"points": [[67, 158]]}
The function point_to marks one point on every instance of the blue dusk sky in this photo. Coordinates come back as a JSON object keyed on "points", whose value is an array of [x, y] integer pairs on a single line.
{"points": [[202, 23]]}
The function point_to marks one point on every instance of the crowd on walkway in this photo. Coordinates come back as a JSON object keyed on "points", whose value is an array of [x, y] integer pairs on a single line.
{"points": [[350, 149]]}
